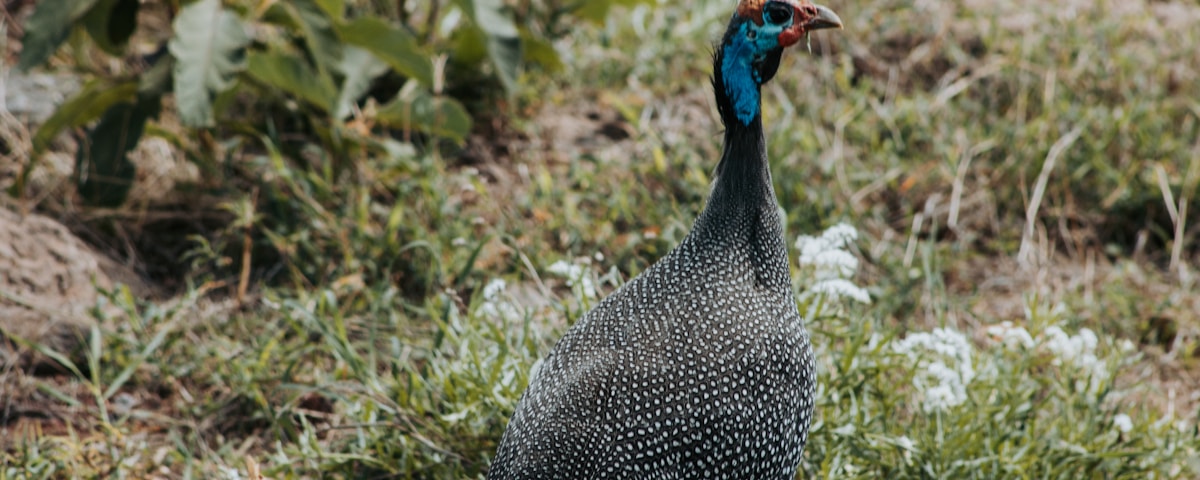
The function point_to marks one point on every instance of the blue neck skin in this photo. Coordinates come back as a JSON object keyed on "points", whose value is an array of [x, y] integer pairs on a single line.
{"points": [[742, 81]]}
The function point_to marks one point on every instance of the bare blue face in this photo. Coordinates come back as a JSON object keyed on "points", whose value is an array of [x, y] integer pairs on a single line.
{"points": [[745, 51]]}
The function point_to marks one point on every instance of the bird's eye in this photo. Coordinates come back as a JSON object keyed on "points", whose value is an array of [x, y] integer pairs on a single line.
{"points": [[777, 13]]}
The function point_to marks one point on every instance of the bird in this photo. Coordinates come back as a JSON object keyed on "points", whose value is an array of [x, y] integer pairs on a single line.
{"points": [[699, 367]]}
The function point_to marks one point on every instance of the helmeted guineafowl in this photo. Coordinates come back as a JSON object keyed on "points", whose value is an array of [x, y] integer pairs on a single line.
{"points": [[700, 367]]}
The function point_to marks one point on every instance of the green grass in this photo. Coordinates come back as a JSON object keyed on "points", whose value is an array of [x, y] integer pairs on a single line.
{"points": [[372, 351]]}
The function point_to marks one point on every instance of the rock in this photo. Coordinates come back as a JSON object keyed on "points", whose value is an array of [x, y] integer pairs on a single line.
{"points": [[48, 281], [34, 96], [28, 100]]}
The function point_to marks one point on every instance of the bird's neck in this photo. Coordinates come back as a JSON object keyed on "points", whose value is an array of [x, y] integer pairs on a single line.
{"points": [[743, 177], [742, 211]]}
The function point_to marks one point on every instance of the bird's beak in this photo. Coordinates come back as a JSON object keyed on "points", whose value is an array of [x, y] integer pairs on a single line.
{"points": [[825, 18]]}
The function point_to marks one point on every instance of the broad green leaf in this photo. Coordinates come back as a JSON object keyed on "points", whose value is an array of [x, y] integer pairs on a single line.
{"points": [[503, 39], [110, 24], [292, 75], [506, 57], [48, 27], [540, 51], [414, 108], [468, 46], [308, 19], [395, 46], [596, 11], [93, 100], [278, 14], [208, 48], [358, 68], [334, 9], [103, 171]]}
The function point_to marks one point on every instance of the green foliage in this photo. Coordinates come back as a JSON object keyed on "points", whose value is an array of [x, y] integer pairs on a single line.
{"points": [[309, 51], [102, 168], [395, 46], [412, 106], [503, 41], [110, 24], [96, 97], [48, 27]]}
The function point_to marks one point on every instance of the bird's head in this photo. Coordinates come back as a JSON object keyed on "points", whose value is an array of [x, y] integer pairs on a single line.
{"points": [[749, 52]]}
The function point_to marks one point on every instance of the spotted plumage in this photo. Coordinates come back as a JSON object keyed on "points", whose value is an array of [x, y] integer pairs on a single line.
{"points": [[700, 367]]}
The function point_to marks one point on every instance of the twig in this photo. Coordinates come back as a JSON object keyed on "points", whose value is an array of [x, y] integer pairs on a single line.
{"points": [[431, 21], [1188, 188], [247, 239], [1164, 186], [1024, 256]]}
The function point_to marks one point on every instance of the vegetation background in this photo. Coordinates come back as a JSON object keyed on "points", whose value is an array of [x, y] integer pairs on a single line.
{"points": [[388, 211]]}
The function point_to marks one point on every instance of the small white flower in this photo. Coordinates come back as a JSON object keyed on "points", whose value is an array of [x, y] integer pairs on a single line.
{"points": [[1087, 339], [1123, 423], [906, 443], [942, 360], [577, 276], [1078, 351], [831, 265], [836, 288], [1058, 342], [562, 268], [1013, 337], [492, 290], [827, 251], [456, 416], [947, 387], [841, 233], [1126, 346], [829, 262], [941, 397], [494, 305]]}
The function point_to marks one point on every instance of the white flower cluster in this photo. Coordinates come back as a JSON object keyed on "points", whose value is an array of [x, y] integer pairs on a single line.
{"points": [[1078, 350], [1013, 337], [495, 304], [832, 265], [942, 359], [579, 278]]}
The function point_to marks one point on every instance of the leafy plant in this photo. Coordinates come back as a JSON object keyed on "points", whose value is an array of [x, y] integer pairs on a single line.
{"points": [[328, 65]]}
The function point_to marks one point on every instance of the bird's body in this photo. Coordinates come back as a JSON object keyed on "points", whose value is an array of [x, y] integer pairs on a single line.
{"points": [[700, 367]]}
